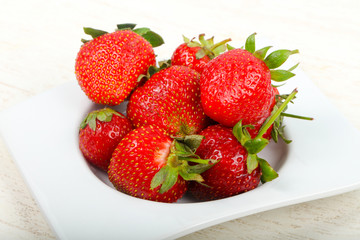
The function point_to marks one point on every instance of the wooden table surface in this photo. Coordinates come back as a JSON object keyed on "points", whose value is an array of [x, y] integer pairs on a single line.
{"points": [[39, 40]]}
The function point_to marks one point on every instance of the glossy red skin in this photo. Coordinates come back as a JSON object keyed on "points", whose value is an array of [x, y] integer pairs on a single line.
{"points": [[234, 86], [170, 99], [107, 68], [255, 131], [186, 56], [97, 146], [136, 160], [229, 176]]}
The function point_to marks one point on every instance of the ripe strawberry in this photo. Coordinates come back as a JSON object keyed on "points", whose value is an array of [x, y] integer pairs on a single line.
{"points": [[170, 99], [100, 132], [256, 126], [239, 168], [110, 66], [236, 85], [230, 175], [148, 164], [197, 54]]}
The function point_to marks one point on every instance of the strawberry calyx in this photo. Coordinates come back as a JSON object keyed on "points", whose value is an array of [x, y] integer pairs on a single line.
{"points": [[152, 37], [103, 115], [182, 161], [273, 60], [257, 144], [207, 46], [154, 69]]}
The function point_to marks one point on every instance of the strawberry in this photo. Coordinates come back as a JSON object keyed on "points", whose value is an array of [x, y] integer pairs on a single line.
{"points": [[239, 169], [236, 85], [230, 175], [197, 54], [170, 99], [148, 164], [110, 66], [100, 132], [256, 126]]}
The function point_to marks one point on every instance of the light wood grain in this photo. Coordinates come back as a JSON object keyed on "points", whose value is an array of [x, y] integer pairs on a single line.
{"points": [[39, 40]]}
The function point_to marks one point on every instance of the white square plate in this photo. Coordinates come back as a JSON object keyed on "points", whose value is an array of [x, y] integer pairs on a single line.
{"points": [[80, 203]]}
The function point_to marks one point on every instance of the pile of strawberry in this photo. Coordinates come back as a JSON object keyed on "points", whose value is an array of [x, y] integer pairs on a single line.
{"points": [[194, 123]]}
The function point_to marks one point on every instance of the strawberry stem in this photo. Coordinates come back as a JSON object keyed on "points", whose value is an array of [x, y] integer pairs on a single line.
{"points": [[274, 116], [296, 116], [219, 44]]}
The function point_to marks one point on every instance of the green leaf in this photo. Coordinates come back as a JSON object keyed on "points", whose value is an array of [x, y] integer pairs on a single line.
{"points": [[250, 43], [276, 86], [116, 113], [126, 26], [182, 150], [255, 145], [229, 47], [209, 43], [179, 146], [281, 133], [140, 77], [193, 141], [152, 70], [83, 123], [105, 114], [277, 58], [164, 64], [240, 132], [92, 121], [251, 162], [166, 177], [170, 179], [219, 49], [281, 75], [159, 177], [94, 33], [268, 173], [193, 44], [200, 168], [200, 53], [203, 41], [102, 116], [275, 134], [153, 38], [187, 176], [293, 67], [108, 114], [186, 40], [141, 31], [261, 53]]}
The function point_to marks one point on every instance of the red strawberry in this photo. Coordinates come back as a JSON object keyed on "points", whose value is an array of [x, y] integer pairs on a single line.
{"points": [[148, 164], [230, 175], [197, 54], [109, 67], [236, 85], [100, 133], [239, 168], [170, 99], [256, 126]]}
